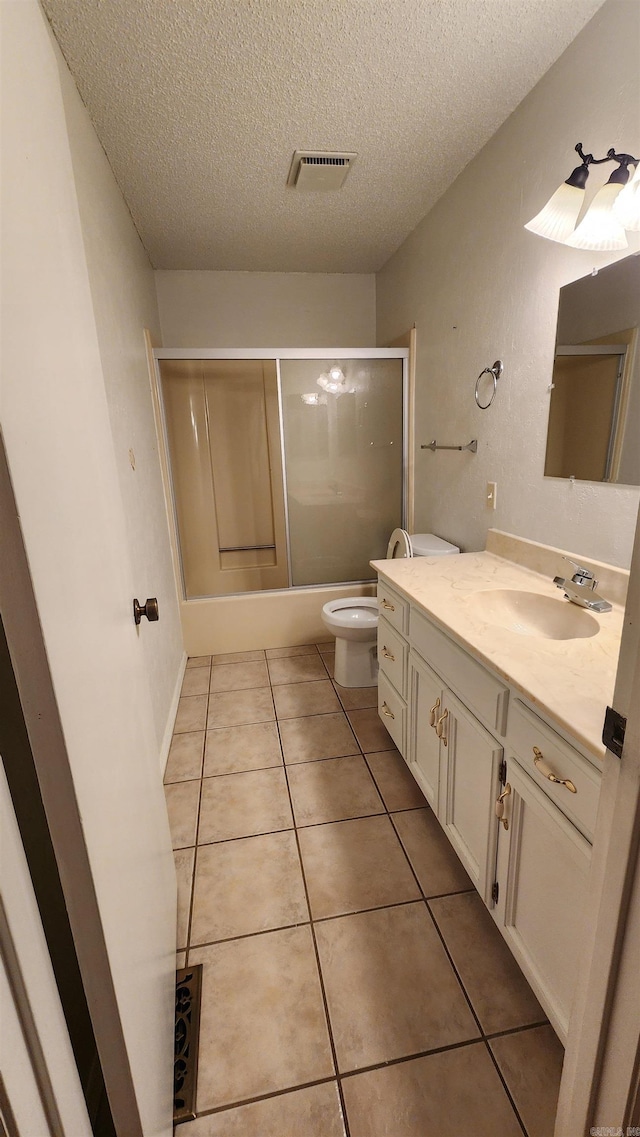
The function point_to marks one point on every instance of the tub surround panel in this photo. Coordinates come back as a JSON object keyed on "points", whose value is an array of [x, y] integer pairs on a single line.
{"points": [[570, 680]]}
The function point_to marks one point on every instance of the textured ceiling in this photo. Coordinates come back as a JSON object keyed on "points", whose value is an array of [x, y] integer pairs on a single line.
{"points": [[200, 104]]}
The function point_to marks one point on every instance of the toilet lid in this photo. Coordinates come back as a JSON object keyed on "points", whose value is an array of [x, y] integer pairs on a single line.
{"points": [[399, 545]]}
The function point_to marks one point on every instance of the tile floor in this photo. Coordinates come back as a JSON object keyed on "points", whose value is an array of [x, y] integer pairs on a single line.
{"points": [[354, 984]]}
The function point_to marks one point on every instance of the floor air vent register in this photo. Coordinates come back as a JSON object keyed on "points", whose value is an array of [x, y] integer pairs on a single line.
{"points": [[185, 1067]]}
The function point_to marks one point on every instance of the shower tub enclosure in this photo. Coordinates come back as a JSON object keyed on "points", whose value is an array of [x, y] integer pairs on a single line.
{"points": [[285, 473]]}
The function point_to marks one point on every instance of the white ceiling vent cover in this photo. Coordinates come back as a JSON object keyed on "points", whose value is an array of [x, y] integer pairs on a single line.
{"points": [[319, 170]]}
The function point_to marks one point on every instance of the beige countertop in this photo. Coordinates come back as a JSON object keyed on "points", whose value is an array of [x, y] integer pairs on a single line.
{"points": [[570, 680]]}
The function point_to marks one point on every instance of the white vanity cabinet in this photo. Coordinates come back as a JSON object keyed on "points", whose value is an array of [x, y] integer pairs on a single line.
{"points": [[542, 878], [468, 738], [456, 763]]}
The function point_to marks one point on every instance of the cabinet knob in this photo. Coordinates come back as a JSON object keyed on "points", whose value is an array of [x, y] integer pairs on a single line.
{"points": [[387, 654], [385, 710], [432, 712], [547, 772], [386, 604], [500, 806], [148, 609]]}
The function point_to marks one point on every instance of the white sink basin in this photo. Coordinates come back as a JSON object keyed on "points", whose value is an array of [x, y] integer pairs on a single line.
{"points": [[530, 614]]}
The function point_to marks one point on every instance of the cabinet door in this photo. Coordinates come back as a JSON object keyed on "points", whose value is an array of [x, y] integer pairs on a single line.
{"points": [[543, 872], [469, 785], [423, 752]]}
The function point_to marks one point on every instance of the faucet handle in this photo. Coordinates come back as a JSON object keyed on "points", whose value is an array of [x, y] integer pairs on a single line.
{"points": [[581, 575]]}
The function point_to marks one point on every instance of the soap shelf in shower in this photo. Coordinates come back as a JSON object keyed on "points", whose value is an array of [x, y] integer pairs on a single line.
{"points": [[433, 445]]}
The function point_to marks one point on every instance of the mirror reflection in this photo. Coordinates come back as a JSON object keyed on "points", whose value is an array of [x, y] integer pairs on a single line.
{"points": [[594, 415]]}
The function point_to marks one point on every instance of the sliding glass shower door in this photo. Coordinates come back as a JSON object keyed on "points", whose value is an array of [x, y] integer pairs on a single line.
{"points": [[343, 457]]}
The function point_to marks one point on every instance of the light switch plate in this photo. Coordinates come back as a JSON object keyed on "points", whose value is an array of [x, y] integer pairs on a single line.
{"points": [[492, 494]]}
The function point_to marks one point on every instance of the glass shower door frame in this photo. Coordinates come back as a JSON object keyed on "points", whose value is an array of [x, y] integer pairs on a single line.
{"points": [[335, 355]]}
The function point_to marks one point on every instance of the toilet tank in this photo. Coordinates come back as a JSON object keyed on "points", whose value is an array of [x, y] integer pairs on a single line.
{"points": [[428, 545]]}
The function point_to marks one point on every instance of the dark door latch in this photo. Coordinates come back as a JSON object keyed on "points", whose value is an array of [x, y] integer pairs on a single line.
{"points": [[148, 609]]}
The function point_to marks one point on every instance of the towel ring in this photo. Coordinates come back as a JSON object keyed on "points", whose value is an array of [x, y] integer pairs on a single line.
{"points": [[496, 372]]}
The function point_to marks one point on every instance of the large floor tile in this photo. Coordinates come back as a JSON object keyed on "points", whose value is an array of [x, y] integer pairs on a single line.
{"points": [[247, 886], [238, 676], [499, 993], [232, 749], [241, 805], [182, 807], [291, 652], [237, 708], [396, 783], [185, 757], [329, 660], [293, 700], [315, 737], [312, 1112], [531, 1064], [297, 669], [192, 713], [390, 988], [353, 865], [239, 656], [441, 1095], [196, 681], [356, 698], [326, 646], [434, 862], [369, 730], [332, 790], [263, 1025], [199, 661], [184, 875]]}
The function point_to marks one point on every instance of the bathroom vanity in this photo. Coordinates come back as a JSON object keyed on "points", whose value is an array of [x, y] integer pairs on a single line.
{"points": [[494, 688]]}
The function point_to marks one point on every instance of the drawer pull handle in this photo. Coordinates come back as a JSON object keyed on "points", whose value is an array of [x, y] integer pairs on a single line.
{"points": [[500, 806], [387, 712], [387, 654], [432, 712], [547, 772], [440, 726], [386, 604]]}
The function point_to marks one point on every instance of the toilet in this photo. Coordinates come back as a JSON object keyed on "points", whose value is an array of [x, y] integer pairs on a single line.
{"points": [[353, 620]]}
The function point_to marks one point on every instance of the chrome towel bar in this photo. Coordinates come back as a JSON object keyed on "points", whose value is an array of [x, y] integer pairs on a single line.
{"points": [[433, 445]]}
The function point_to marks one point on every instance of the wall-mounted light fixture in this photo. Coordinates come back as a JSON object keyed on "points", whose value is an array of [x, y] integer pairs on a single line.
{"points": [[615, 207]]}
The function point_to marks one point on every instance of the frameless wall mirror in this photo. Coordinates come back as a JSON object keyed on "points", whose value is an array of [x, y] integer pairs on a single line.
{"points": [[594, 414]]}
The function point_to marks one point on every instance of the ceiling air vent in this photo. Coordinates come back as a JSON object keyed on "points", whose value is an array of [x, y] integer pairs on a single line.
{"points": [[319, 170]]}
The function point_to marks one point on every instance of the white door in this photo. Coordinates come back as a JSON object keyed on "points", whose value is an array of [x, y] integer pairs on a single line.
{"points": [[41, 1093], [76, 651]]}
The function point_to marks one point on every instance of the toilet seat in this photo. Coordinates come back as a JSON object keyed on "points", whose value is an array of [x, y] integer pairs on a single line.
{"points": [[358, 613], [399, 545]]}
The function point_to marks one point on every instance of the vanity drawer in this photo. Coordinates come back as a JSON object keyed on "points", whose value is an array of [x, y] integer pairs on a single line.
{"points": [[393, 608], [393, 711], [482, 692], [531, 738], [392, 656]]}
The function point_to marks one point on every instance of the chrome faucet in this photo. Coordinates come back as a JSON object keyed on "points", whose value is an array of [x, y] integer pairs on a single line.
{"points": [[581, 589]]}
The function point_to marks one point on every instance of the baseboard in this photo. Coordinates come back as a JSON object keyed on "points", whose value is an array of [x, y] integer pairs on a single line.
{"points": [[171, 717]]}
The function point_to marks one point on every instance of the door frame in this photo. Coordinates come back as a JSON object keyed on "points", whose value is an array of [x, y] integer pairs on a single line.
{"points": [[600, 1084]]}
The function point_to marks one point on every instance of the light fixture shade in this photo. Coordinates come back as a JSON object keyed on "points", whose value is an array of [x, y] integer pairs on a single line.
{"points": [[557, 220], [627, 204], [600, 229]]}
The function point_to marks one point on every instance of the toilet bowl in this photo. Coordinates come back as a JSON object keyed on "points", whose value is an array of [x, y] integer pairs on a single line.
{"points": [[353, 620]]}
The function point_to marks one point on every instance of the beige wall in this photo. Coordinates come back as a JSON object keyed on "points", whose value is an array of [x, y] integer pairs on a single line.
{"points": [[60, 320], [479, 287], [266, 309], [124, 303]]}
